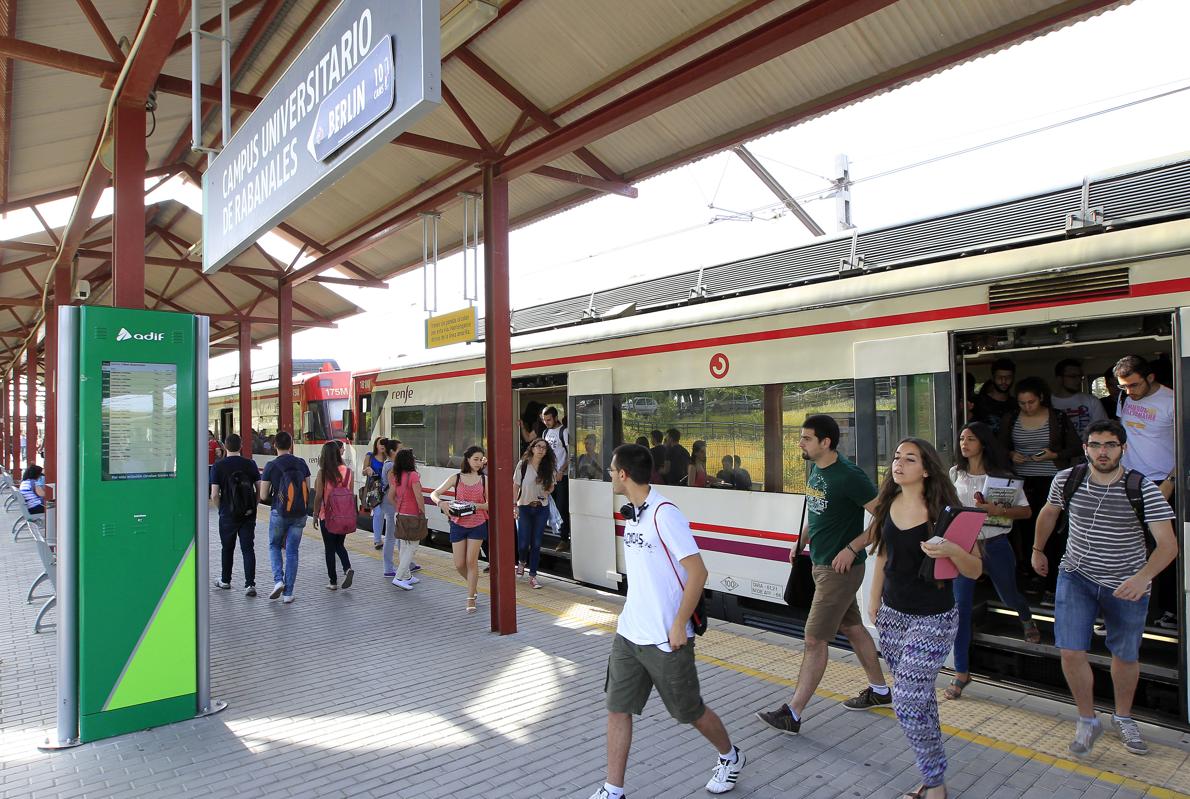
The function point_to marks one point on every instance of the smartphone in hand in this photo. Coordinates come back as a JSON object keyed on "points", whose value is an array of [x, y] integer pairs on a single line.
{"points": [[936, 540]]}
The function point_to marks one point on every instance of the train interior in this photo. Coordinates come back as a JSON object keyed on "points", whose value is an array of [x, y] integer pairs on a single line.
{"points": [[532, 395], [999, 650]]}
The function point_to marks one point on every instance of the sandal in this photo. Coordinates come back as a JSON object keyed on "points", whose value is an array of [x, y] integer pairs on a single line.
{"points": [[1032, 634], [916, 793], [471, 600], [955, 690]]}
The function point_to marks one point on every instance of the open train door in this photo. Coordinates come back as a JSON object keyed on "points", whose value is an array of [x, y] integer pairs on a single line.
{"points": [[592, 525], [1181, 387], [903, 388]]}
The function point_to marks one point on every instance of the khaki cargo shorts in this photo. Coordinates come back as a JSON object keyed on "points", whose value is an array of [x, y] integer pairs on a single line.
{"points": [[633, 671], [834, 604]]}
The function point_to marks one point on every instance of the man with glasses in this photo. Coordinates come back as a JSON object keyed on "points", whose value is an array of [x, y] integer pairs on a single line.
{"points": [[1070, 398], [1146, 409], [1106, 572]]}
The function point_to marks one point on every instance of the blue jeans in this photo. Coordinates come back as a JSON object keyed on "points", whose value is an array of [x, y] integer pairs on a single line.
{"points": [[530, 527], [285, 533], [1080, 599], [999, 563], [378, 517]]}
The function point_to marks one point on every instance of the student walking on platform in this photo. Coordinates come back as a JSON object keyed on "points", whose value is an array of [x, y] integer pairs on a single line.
{"points": [[373, 465], [388, 510], [334, 511], [533, 479], [468, 516], [654, 643], [837, 494], [285, 484], [404, 493], [916, 617], [981, 461], [1105, 571], [234, 487]]}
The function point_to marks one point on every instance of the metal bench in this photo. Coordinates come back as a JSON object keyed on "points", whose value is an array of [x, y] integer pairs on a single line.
{"points": [[49, 565], [26, 522]]}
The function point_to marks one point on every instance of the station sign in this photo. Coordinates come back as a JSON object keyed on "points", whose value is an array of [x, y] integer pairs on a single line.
{"points": [[370, 72], [455, 327]]}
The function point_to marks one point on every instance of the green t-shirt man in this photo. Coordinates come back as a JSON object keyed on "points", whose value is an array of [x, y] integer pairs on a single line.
{"points": [[835, 499]]}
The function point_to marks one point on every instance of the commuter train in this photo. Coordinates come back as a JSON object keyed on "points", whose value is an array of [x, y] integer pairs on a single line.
{"points": [[321, 395], [882, 329]]}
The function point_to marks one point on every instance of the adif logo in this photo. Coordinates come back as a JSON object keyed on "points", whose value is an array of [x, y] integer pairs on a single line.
{"points": [[124, 335]]}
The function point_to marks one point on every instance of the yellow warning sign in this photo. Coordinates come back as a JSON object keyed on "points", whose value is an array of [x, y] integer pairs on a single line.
{"points": [[452, 328]]}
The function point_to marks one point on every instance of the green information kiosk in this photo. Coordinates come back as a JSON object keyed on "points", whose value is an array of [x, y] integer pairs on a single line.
{"points": [[132, 521]]}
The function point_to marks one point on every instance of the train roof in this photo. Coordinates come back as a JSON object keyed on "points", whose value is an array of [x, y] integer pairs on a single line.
{"points": [[1152, 191]]}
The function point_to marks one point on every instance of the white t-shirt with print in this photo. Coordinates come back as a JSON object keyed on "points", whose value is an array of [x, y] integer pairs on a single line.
{"points": [[654, 594], [559, 439], [1150, 426], [965, 485], [1081, 409]]}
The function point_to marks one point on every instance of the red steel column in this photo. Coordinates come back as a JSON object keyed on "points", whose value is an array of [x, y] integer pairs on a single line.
{"points": [[10, 427], [128, 180], [246, 386], [285, 360], [31, 405], [4, 423], [500, 415]]}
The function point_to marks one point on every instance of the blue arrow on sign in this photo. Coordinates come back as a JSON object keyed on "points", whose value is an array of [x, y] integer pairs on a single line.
{"points": [[363, 97]]}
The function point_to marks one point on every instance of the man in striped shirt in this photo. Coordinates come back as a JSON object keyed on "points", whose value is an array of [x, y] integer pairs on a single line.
{"points": [[1105, 571]]}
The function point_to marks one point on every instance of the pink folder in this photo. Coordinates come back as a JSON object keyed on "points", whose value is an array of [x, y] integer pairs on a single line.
{"points": [[963, 528]]}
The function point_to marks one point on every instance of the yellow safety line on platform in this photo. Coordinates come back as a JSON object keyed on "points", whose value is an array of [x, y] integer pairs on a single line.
{"points": [[762, 660]]}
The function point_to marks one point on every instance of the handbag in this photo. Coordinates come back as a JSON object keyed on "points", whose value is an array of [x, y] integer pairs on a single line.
{"points": [[413, 528], [699, 617]]}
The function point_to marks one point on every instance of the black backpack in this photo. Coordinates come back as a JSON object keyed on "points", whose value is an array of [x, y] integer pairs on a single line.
{"points": [[1132, 482], [241, 495]]}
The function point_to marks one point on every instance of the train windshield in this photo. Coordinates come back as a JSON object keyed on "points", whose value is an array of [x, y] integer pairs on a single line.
{"points": [[326, 419]]}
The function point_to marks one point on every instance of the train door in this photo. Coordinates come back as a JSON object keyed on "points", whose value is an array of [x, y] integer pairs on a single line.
{"points": [[902, 389], [531, 396], [1181, 389], [227, 423], [592, 526]]}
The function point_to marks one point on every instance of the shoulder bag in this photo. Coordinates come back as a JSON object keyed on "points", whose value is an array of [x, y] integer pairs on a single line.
{"points": [[699, 617], [413, 528]]}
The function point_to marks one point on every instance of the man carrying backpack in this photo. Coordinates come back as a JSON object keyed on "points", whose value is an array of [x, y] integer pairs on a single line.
{"points": [[1105, 571], [233, 488], [285, 480]]}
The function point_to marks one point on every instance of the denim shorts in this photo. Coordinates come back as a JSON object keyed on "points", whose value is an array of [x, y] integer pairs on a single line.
{"points": [[459, 534], [1079, 600]]}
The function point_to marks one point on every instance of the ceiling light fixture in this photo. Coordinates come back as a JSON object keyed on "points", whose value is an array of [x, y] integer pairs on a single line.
{"points": [[464, 21]]}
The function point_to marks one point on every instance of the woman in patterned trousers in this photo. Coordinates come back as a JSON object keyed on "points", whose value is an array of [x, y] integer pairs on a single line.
{"points": [[916, 617]]}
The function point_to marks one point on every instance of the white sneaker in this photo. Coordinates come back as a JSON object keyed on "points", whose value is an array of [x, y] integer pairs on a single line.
{"points": [[223, 585], [603, 794], [414, 579], [1086, 733], [405, 584], [332, 586], [724, 775], [288, 600], [277, 589], [250, 591]]}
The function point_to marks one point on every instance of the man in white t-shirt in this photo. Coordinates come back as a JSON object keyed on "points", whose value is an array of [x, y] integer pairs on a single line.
{"points": [[1146, 410], [654, 643], [1070, 399], [558, 437]]}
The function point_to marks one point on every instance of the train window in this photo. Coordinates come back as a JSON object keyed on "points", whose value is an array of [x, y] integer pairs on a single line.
{"points": [[413, 427], [799, 400], [586, 439], [904, 407], [459, 425], [720, 434]]}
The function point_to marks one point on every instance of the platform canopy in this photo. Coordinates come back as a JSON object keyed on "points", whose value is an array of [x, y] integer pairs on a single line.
{"points": [[571, 98]]}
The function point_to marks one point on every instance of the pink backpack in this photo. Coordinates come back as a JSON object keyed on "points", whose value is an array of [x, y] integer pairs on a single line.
{"points": [[338, 508]]}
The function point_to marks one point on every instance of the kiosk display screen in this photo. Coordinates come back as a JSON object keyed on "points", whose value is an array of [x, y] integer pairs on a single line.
{"points": [[139, 420]]}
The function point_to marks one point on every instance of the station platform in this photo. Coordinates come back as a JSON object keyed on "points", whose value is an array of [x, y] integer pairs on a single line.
{"points": [[379, 692]]}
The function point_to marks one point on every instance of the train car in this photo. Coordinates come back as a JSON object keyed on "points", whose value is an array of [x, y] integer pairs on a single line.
{"points": [[883, 330], [320, 402]]}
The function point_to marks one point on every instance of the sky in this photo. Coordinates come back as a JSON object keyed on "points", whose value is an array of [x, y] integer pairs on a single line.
{"points": [[716, 210]]}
